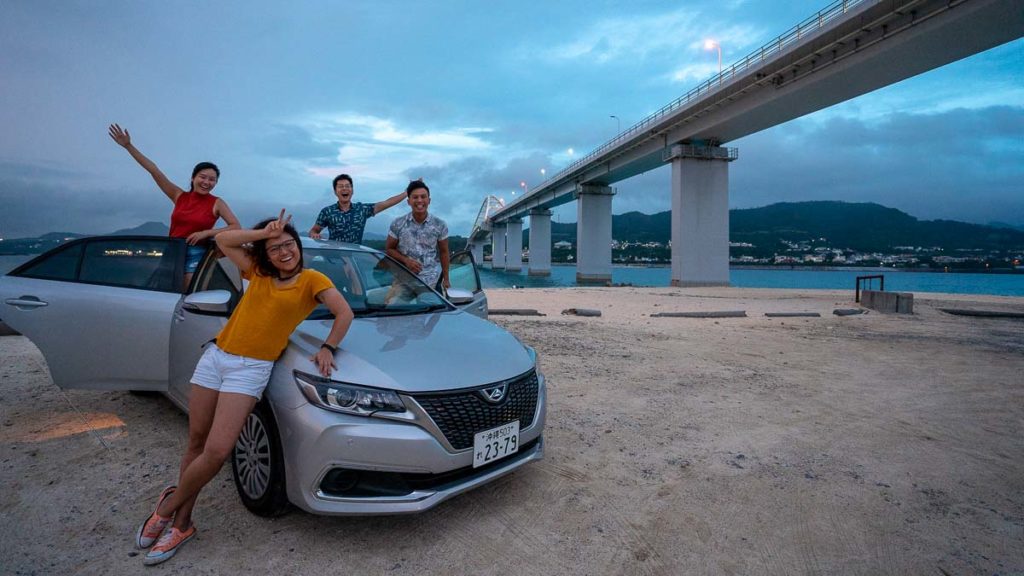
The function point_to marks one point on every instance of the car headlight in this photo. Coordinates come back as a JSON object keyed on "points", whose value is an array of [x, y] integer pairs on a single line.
{"points": [[346, 398], [533, 356], [529, 349]]}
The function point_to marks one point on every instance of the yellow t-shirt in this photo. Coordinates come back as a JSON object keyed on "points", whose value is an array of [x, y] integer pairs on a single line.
{"points": [[267, 315]]}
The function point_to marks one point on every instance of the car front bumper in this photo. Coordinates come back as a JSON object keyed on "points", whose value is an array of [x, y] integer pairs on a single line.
{"points": [[337, 464]]}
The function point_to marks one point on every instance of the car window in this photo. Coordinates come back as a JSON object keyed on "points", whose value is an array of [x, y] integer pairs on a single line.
{"points": [[462, 272], [372, 283], [148, 264], [59, 265]]}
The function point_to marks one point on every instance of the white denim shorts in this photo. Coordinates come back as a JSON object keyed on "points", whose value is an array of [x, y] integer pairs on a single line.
{"points": [[224, 372]]}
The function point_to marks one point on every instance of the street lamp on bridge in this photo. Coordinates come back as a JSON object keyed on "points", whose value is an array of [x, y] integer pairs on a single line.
{"points": [[710, 44], [618, 124]]}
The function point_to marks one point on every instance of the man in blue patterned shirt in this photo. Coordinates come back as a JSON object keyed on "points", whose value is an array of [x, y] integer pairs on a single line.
{"points": [[419, 240], [346, 220]]}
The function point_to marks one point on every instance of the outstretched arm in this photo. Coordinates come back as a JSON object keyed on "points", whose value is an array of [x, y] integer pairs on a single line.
{"points": [[385, 204], [232, 242], [335, 302], [124, 139]]}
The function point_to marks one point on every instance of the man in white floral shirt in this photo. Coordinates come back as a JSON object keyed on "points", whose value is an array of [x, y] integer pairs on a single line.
{"points": [[419, 240]]}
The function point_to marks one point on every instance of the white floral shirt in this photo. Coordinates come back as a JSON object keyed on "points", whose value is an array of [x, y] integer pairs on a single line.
{"points": [[419, 242]]}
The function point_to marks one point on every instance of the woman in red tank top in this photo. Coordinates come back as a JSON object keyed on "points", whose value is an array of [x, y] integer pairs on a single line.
{"points": [[195, 212]]}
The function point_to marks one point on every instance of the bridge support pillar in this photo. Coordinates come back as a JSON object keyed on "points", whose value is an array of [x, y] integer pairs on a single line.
{"points": [[593, 233], [498, 247], [700, 215], [540, 243], [514, 245], [477, 250]]}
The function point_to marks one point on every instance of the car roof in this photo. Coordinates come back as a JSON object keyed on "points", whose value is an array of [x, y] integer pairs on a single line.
{"points": [[307, 242]]}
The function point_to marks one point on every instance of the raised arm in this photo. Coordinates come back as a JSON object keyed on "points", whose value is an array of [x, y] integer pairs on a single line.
{"points": [[385, 204], [124, 139], [232, 242]]}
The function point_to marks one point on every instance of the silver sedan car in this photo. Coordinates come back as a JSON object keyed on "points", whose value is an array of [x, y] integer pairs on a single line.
{"points": [[429, 399]]}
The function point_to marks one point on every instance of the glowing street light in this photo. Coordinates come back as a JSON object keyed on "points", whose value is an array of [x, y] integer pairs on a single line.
{"points": [[570, 152], [710, 44], [523, 186], [543, 173]]}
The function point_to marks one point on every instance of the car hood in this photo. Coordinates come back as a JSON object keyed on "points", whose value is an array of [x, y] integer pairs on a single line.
{"points": [[421, 352]]}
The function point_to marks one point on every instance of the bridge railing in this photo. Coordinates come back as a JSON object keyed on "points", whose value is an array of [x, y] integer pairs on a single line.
{"points": [[490, 205], [776, 46]]}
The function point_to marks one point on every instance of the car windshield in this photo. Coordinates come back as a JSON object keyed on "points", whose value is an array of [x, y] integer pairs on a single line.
{"points": [[372, 284]]}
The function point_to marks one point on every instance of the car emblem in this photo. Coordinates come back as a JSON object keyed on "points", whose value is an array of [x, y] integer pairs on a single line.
{"points": [[494, 395]]}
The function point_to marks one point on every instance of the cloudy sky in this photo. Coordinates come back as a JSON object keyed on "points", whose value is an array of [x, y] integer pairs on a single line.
{"points": [[473, 96]]}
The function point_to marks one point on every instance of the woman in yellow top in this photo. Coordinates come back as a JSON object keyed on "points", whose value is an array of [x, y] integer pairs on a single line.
{"points": [[230, 377]]}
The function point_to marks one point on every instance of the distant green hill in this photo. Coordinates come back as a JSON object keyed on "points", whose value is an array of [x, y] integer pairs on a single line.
{"points": [[862, 226], [866, 227], [147, 229]]}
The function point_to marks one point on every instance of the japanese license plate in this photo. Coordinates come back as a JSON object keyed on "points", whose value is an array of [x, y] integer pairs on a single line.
{"points": [[495, 444]]}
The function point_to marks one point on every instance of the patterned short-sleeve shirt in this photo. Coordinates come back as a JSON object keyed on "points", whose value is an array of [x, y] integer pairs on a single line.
{"points": [[345, 226], [419, 242]]}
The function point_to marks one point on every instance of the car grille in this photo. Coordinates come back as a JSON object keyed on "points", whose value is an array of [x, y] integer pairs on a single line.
{"points": [[460, 415]]}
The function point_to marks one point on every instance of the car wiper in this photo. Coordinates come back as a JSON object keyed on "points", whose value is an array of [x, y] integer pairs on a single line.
{"points": [[377, 310]]}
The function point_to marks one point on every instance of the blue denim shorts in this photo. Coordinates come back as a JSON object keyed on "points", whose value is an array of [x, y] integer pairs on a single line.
{"points": [[193, 257]]}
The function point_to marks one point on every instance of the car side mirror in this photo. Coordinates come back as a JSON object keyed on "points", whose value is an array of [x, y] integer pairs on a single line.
{"points": [[208, 302], [459, 296]]}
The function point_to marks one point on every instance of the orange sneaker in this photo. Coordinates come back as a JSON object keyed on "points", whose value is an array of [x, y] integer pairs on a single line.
{"points": [[168, 544], [155, 524]]}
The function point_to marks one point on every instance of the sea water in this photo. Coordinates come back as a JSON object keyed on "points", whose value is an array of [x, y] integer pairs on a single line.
{"points": [[823, 279], [826, 279]]}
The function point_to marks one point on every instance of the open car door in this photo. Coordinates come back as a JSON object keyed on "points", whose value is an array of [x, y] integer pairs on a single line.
{"points": [[198, 319], [463, 276], [100, 309]]}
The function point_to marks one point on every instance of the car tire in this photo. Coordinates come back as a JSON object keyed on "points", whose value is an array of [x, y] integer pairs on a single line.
{"points": [[257, 464]]}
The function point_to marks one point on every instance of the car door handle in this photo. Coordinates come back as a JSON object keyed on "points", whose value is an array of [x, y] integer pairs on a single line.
{"points": [[26, 302]]}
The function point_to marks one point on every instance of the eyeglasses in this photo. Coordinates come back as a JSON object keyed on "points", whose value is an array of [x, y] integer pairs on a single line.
{"points": [[286, 245]]}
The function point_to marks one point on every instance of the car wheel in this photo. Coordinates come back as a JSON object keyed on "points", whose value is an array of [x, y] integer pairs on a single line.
{"points": [[257, 464]]}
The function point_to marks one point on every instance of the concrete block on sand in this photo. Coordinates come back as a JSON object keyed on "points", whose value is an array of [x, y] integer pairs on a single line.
{"points": [[713, 314], [581, 312], [888, 302]]}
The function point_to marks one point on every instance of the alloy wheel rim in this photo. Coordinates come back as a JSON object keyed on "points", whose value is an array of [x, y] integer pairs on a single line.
{"points": [[252, 458]]}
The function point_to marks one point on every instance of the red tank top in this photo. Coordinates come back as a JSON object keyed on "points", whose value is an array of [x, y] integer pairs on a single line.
{"points": [[193, 212]]}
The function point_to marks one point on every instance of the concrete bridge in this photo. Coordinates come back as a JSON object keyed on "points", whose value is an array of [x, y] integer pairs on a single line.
{"points": [[849, 48]]}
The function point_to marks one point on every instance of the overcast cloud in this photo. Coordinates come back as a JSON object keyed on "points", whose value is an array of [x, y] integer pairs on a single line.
{"points": [[474, 97]]}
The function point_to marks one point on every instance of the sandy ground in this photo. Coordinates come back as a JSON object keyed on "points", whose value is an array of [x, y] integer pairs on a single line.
{"points": [[871, 444]]}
